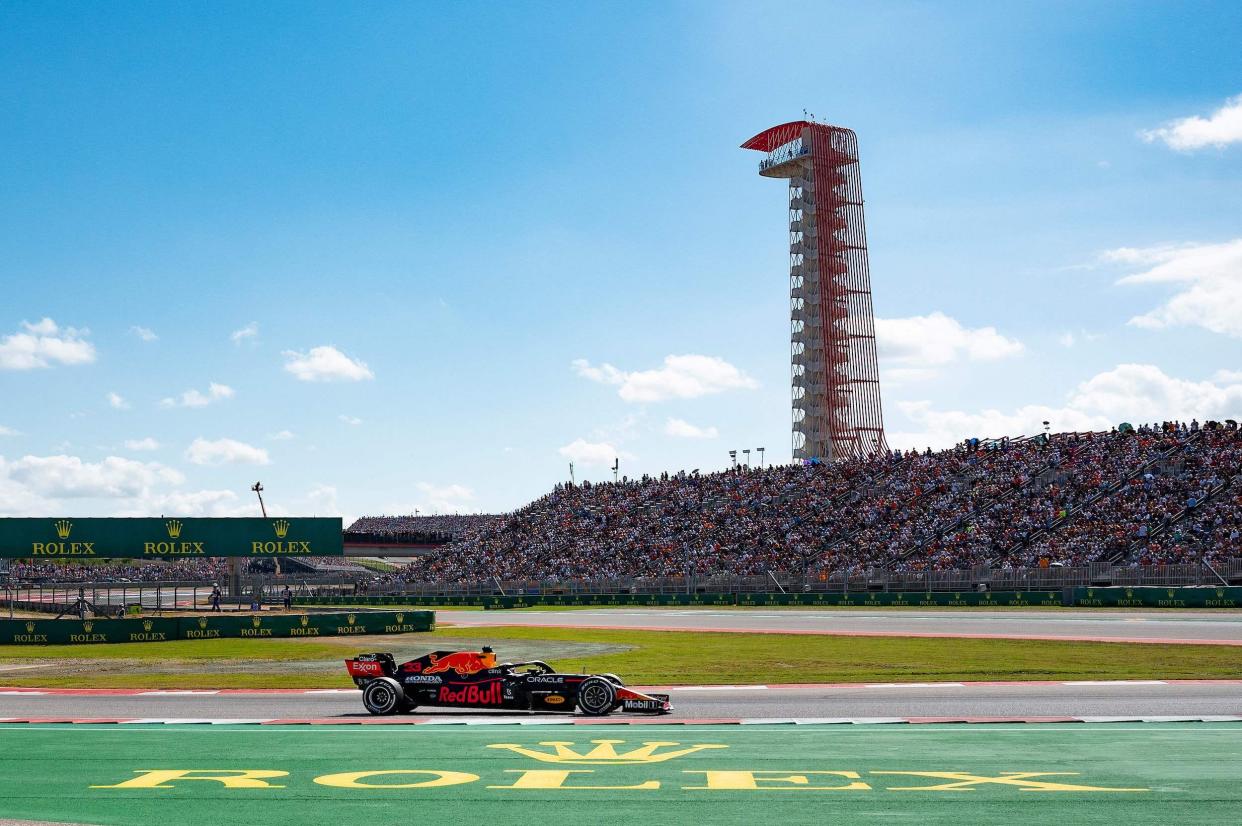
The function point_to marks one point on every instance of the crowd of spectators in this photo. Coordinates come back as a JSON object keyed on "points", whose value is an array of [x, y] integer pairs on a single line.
{"points": [[1156, 494], [197, 570], [415, 529], [1212, 533], [1114, 527], [1013, 530], [1067, 498]]}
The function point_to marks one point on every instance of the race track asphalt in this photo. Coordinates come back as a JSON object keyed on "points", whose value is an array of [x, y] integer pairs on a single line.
{"points": [[1137, 699], [1223, 628]]}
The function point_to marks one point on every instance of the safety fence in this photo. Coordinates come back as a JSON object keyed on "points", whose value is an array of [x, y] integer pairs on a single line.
{"points": [[214, 626], [1223, 597]]}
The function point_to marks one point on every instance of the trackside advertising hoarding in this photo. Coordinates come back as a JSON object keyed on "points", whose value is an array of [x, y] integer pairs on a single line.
{"points": [[212, 626], [169, 537]]}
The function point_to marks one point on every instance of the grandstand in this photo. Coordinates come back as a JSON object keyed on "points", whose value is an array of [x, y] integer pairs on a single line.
{"points": [[407, 535], [1154, 495], [1145, 499]]}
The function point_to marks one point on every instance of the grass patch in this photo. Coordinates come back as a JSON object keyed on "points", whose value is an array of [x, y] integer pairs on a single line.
{"points": [[641, 657]]}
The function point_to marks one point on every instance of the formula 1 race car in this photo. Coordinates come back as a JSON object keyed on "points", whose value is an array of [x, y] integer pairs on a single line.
{"points": [[472, 679]]}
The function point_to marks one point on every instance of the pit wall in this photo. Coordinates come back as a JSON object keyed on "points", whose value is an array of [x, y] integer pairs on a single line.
{"points": [[1230, 597], [212, 626]]}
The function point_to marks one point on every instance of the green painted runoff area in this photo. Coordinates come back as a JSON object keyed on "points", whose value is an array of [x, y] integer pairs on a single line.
{"points": [[1043, 773]]}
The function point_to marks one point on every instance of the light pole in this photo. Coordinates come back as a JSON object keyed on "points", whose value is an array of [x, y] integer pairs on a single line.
{"points": [[234, 563], [760, 452], [733, 457], [746, 453], [571, 474], [616, 468], [257, 487]]}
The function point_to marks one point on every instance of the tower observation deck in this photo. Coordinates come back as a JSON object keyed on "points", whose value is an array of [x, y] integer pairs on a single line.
{"points": [[835, 373]]}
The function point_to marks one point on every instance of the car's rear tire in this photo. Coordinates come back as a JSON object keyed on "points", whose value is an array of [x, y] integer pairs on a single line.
{"points": [[596, 696], [383, 695]]}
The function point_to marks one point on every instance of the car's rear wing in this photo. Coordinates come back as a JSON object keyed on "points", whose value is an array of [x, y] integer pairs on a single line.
{"points": [[369, 666]]}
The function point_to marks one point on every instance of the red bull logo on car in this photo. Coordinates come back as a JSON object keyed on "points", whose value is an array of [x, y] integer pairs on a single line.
{"points": [[475, 695], [463, 662]]}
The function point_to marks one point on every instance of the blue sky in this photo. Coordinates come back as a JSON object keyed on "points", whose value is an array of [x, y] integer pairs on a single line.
{"points": [[403, 256]]}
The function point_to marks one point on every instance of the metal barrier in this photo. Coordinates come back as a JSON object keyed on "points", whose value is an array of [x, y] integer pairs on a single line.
{"points": [[1144, 597], [268, 589], [975, 579]]}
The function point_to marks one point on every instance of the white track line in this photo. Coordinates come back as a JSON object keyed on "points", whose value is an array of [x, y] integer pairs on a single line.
{"points": [[1114, 682], [914, 685], [718, 688]]}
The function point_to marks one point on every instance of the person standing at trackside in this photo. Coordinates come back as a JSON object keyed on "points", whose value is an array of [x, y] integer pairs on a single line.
{"points": [[286, 596], [215, 597]]}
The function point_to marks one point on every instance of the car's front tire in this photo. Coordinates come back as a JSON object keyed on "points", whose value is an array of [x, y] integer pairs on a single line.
{"points": [[596, 696], [383, 695]]}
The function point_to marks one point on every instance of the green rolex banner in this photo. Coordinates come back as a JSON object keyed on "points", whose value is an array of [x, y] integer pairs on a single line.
{"points": [[1147, 597], [169, 538], [212, 626]]}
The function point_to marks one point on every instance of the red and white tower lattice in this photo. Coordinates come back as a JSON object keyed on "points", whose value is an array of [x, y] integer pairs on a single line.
{"points": [[835, 374]]}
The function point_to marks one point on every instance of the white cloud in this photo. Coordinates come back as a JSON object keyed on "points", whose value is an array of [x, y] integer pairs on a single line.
{"points": [[251, 330], [1066, 339], [190, 503], [914, 348], [8, 431], [1208, 279], [144, 333], [44, 344], [225, 452], [117, 401], [682, 429], [142, 444], [1135, 393], [453, 497], [69, 477], [194, 398], [1221, 128], [282, 436], [322, 501], [582, 452], [325, 363], [350, 420], [681, 377]]}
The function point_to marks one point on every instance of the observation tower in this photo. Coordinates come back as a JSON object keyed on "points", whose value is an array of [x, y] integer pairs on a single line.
{"points": [[835, 373]]}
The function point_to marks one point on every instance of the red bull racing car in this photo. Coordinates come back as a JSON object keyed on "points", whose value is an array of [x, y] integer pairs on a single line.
{"points": [[473, 679]]}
